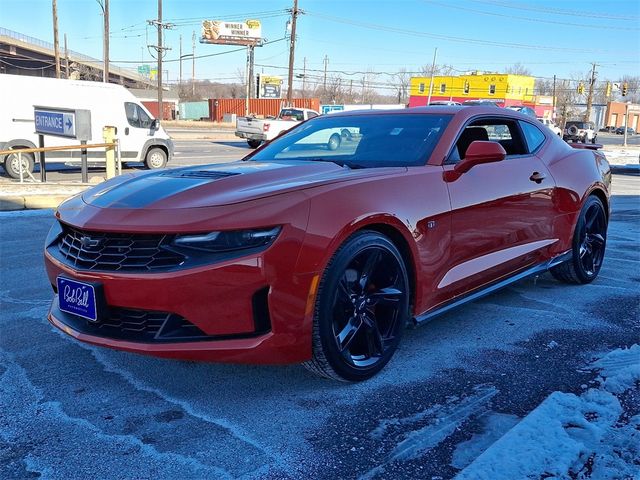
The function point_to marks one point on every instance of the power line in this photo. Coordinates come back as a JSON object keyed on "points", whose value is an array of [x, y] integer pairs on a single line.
{"points": [[529, 19], [558, 11], [414, 33]]}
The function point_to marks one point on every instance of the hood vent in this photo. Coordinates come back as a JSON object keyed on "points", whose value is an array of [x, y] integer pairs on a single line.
{"points": [[206, 174]]}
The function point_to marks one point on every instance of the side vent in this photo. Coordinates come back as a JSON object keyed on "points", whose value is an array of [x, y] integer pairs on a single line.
{"points": [[260, 304]]}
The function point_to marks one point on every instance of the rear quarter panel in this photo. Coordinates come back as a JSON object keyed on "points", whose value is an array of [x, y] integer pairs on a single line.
{"points": [[578, 173]]}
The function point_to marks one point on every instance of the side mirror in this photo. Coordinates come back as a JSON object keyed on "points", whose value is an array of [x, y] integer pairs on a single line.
{"points": [[477, 153], [154, 124]]}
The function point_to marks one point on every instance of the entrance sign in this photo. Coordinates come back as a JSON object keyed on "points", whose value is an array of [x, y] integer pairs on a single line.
{"points": [[63, 122]]}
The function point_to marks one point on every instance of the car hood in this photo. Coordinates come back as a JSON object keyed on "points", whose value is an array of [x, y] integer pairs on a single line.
{"points": [[220, 184]]}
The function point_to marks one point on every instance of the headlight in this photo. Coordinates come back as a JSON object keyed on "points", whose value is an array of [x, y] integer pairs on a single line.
{"points": [[226, 241], [54, 234]]}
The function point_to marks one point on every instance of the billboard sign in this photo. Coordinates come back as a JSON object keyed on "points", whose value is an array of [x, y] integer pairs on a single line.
{"points": [[331, 108], [269, 86], [231, 33]]}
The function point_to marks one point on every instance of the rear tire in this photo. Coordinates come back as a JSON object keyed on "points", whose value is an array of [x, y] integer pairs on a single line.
{"points": [[588, 245], [361, 309], [254, 143], [12, 164], [156, 158]]}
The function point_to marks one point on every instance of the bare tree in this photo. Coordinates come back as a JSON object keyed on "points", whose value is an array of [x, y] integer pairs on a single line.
{"points": [[403, 78], [518, 69]]}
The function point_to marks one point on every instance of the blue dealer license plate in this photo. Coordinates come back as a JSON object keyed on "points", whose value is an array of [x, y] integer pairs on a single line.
{"points": [[77, 298]]}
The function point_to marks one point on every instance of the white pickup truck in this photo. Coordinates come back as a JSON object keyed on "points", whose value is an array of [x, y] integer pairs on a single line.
{"points": [[256, 130]]}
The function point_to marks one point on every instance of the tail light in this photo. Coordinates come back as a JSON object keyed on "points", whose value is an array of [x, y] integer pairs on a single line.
{"points": [[265, 126]]}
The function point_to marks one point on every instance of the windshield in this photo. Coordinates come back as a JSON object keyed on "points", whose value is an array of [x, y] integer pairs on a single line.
{"points": [[360, 141]]}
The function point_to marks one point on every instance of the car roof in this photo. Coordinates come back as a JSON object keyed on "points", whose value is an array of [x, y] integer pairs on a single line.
{"points": [[460, 111]]}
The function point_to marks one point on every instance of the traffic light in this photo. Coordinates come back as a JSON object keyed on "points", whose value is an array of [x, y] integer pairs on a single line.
{"points": [[581, 88], [607, 90], [625, 88]]}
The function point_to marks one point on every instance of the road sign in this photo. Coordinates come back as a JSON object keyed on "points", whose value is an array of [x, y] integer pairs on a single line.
{"points": [[332, 108], [63, 122]]}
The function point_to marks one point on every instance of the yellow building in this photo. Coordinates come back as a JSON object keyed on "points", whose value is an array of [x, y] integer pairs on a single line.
{"points": [[505, 89]]}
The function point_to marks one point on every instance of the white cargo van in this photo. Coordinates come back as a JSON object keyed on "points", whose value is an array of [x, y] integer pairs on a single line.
{"points": [[141, 137]]}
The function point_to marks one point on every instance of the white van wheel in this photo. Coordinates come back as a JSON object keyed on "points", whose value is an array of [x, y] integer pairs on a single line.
{"points": [[12, 164], [156, 158]]}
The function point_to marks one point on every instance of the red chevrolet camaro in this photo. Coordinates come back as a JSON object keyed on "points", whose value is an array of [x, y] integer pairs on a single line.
{"points": [[323, 244]]}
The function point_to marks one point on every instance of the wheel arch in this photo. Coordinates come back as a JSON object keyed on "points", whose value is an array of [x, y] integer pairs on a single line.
{"points": [[401, 243], [18, 142], [602, 196]]}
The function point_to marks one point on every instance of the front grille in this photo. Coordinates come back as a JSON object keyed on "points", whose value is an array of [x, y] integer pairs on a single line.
{"points": [[122, 252], [137, 326]]}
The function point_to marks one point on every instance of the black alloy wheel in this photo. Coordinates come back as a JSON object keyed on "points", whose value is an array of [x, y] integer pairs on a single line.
{"points": [[589, 243], [361, 309]]}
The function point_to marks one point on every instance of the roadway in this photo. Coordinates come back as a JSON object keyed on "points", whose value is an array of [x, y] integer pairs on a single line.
{"points": [[74, 411]]}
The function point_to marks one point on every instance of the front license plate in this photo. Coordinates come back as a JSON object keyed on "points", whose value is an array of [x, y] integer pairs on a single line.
{"points": [[77, 298]]}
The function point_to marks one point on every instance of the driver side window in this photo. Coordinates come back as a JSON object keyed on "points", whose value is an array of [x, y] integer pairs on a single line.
{"points": [[136, 116], [503, 131]]}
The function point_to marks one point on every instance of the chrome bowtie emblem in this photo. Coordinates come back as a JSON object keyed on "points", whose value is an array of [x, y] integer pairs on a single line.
{"points": [[88, 242]]}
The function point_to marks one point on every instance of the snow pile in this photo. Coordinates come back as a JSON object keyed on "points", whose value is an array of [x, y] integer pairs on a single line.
{"points": [[622, 155], [619, 369], [570, 436]]}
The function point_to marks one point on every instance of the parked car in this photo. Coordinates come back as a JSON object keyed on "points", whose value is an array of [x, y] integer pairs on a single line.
{"points": [[258, 130], [550, 125], [609, 129], [444, 102], [141, 137], [484, 103], [299, 253], [579, 131], [523, 109], [620, 131]]}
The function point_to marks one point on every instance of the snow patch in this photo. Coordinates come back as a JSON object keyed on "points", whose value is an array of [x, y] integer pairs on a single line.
{"points": [[568, 436], [620, 369], [494, 425]]}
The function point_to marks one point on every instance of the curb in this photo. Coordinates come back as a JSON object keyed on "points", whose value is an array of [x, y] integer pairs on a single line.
{"points": [[31, 202]]}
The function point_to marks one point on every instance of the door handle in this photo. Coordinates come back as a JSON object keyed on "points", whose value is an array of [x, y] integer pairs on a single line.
{"points": [[537, 177], [126, 130]]}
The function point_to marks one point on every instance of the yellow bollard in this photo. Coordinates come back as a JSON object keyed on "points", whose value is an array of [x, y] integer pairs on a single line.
{"points": [[109, 135]]}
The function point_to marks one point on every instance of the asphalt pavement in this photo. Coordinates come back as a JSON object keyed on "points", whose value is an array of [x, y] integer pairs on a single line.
{"points": [[74, 411]]}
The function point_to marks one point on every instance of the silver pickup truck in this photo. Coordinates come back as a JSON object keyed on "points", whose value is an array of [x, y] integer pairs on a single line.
{"points": [[257, 130]]}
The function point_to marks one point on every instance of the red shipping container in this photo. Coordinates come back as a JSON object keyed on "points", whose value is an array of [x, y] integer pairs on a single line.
{"points": [[266, 107], [168, 109]]}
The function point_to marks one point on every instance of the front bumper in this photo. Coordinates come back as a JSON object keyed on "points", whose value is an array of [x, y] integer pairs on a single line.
{"points": [[249, 310]]}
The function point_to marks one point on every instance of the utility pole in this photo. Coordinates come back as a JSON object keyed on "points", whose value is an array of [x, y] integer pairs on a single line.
{"points": [[105, 43], [553, 110], [592, 82], [160, 51], [180, 77], [292, 50], [193, 64], [251, 84], [56, 52], [66, 57], [433, 70], [324, 81], [304, 77]]}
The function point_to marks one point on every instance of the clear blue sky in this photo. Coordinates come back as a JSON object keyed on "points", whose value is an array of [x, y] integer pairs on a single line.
{"points": [[547, 37]]}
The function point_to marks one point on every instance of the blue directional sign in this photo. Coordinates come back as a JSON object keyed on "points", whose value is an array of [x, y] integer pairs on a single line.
{"points": [[332, 108], [58, 123]]}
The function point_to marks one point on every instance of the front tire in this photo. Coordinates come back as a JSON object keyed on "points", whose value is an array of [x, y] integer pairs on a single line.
{"points": [[588, 245], [14, 163], [361, 310], [334, 141], [156, 158]]}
